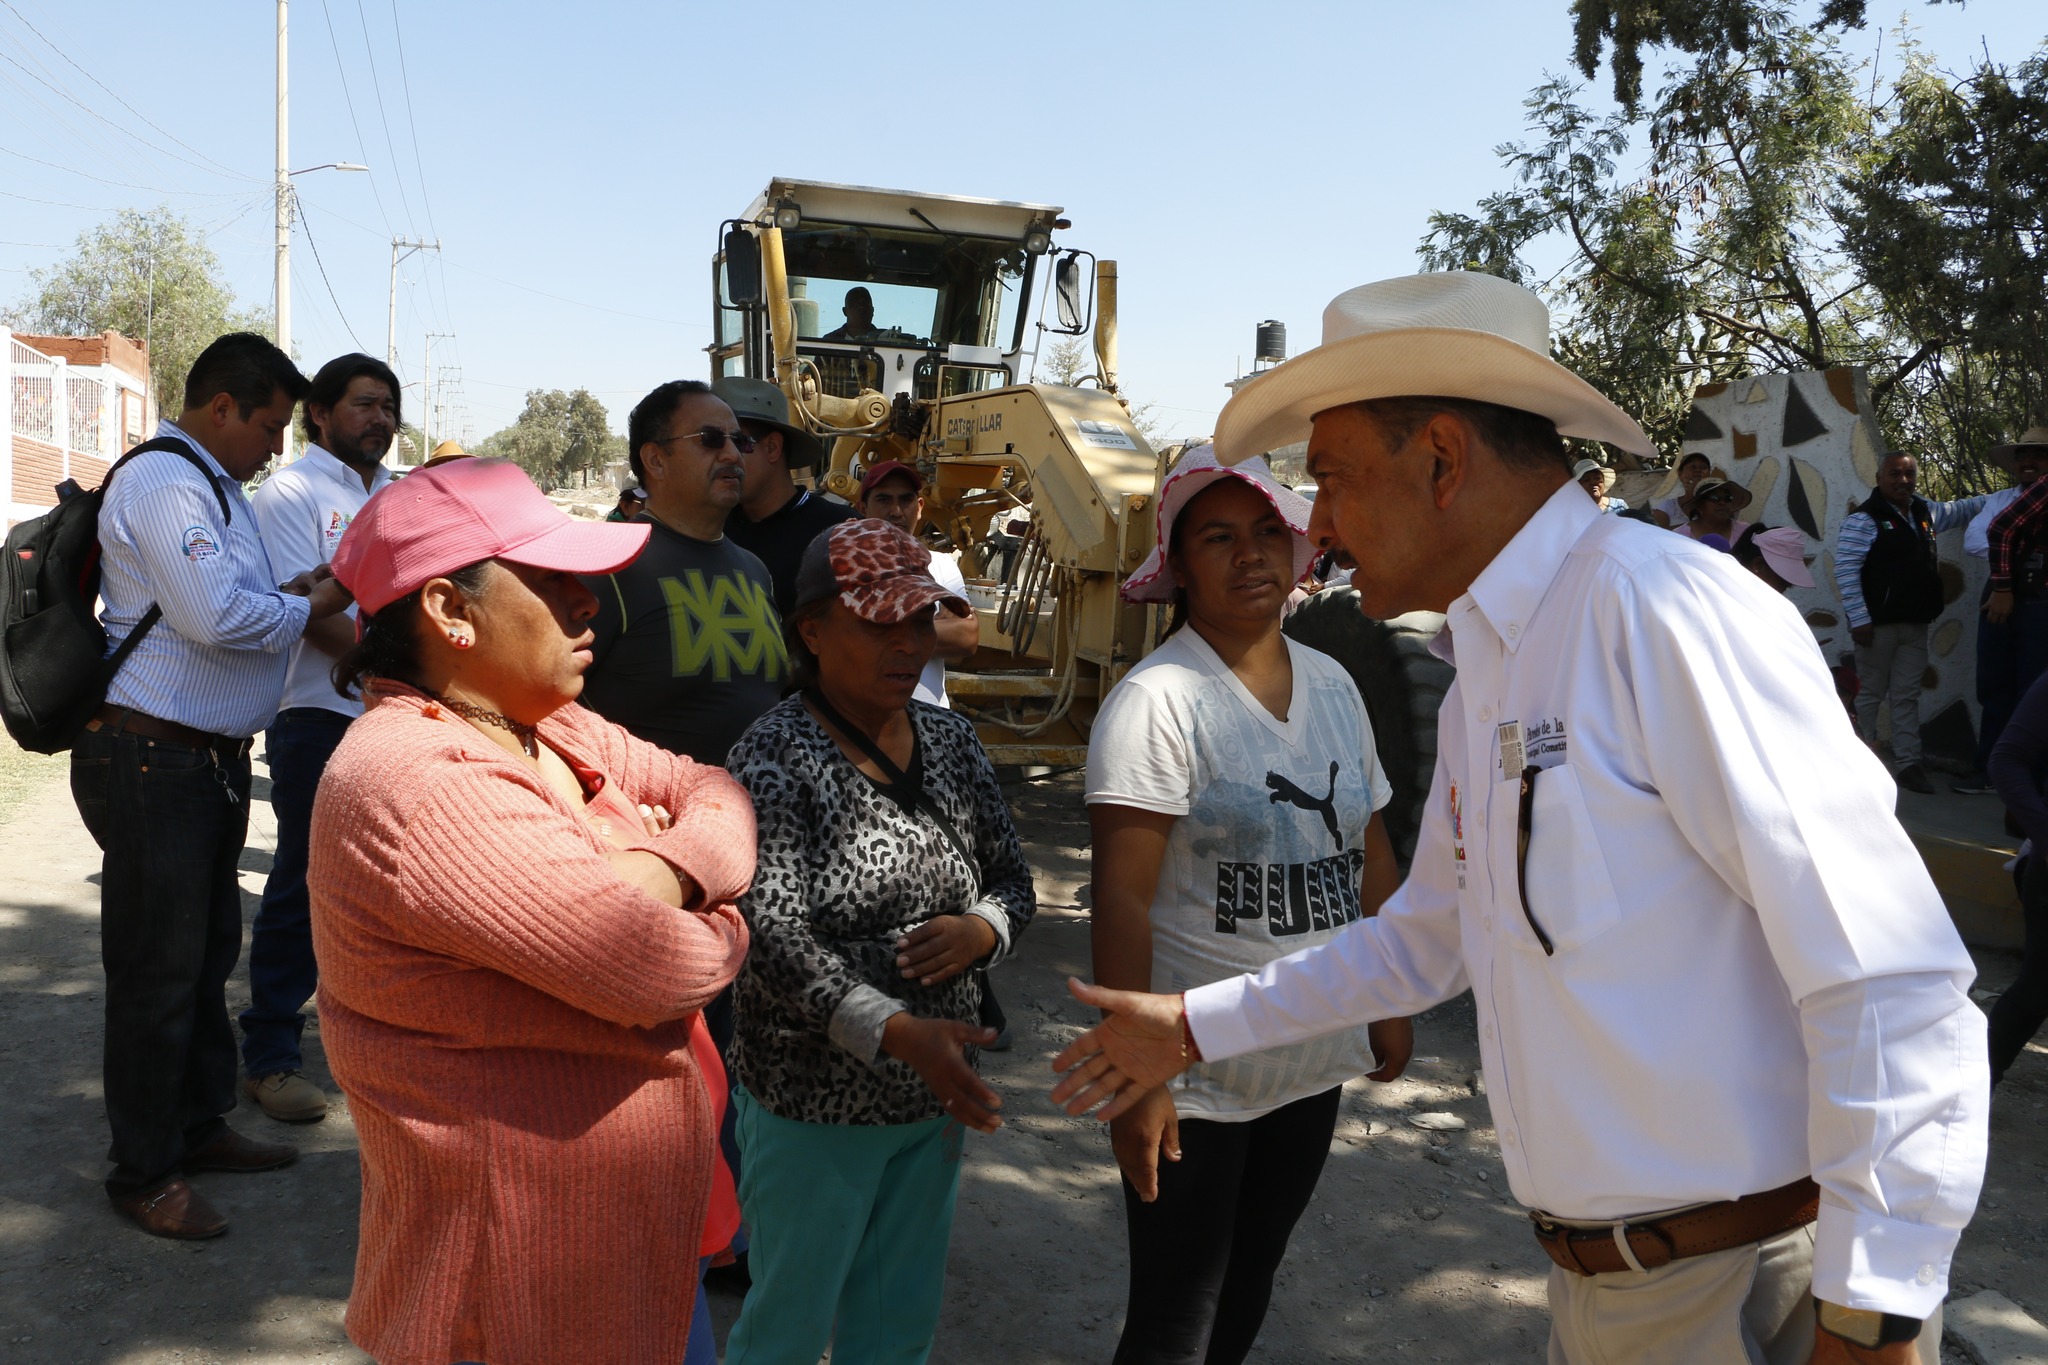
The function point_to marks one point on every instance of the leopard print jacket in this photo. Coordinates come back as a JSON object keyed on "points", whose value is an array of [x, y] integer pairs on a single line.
{"points": [[843, 871]]}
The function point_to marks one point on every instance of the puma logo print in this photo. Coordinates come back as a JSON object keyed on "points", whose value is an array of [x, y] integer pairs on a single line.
{"points": [[1285, 790]]}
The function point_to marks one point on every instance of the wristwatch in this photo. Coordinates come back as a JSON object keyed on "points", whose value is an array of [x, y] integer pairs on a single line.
{"points": [[1865, 1327]]}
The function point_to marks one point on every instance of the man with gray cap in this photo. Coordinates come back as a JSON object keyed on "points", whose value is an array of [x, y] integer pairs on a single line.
{"points": [[1723, 1015], [776, 519]]}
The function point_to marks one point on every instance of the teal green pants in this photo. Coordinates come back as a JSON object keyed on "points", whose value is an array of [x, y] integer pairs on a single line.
{"points": [[849, 1226]]}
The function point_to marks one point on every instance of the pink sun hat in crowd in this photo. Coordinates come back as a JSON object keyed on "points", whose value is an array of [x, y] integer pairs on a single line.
{"points": [[1784, 549], [1197, 469], [435, 521]]}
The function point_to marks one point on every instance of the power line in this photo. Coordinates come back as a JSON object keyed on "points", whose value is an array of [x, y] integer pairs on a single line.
{"points": [[307, 225], [384, 116], [224, 170], [122, 184], [405, 88], [362, 148], [66, 95]]}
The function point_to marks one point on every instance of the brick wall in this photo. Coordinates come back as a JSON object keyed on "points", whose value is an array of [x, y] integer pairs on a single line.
{"points": [[38, 469]]}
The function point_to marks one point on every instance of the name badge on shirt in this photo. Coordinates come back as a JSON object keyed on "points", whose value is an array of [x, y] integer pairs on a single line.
{"points": [[1513, 752]]}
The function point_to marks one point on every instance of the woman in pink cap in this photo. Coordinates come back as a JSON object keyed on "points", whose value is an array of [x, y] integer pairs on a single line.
{"points": [[515, 936], [1233, 795]]}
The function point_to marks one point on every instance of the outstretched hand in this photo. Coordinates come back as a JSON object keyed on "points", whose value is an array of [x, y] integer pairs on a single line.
{"points": [[1138, 1045]]}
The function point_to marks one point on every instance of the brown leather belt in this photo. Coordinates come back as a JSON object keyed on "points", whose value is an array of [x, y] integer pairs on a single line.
{"points": [[1696, 1232], [151, 727]]}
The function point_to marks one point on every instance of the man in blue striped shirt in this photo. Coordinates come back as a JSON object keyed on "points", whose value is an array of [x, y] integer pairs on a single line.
{"points": [[161, 775]]}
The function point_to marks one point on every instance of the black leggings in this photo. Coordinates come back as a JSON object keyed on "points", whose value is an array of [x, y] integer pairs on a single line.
{"points": [[1203, 1254], [2019, 1012]]}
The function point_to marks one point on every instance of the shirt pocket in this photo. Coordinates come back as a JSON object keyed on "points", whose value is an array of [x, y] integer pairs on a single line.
{"points": [[1564, 877]]}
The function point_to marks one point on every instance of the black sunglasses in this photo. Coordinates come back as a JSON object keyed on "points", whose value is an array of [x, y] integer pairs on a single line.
{"points": [[713, 439]]}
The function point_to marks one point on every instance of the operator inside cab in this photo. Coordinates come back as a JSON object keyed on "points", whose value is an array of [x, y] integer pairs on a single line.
{"points": [[860, 318]]}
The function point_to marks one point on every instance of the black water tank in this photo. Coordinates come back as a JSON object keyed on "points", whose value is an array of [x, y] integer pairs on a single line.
{"points": [[1272, 342]]}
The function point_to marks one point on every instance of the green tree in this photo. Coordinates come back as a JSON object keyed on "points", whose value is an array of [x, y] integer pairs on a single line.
{"points": [[1947, 219], [1719, 256], [1717, 29], [558, 436], [147, 275]]}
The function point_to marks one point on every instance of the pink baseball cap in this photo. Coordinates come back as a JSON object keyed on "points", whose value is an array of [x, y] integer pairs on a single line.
{"points": [[435, 521], [1784, 549]]}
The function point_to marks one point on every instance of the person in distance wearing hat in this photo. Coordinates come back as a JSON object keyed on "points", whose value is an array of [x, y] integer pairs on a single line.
{"points": [[775, 518], [1668, 873], [1597, 479], [1777, 555], [1888, 575], [892, 492], [2012, 634]]}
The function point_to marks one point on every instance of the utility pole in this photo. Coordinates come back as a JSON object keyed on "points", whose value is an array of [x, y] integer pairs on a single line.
{"points": [[283, 282], [427, 392], [400, 249]]}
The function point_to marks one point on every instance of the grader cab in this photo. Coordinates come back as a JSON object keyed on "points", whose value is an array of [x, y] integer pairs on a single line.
{"points": [[907, 327]]}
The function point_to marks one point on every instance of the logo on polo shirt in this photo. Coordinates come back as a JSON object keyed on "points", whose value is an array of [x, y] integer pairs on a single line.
{"points": [[337, 523], [200, 544]]}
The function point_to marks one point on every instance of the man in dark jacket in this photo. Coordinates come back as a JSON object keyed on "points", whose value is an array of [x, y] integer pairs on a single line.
{"points": [[1889, 577]]}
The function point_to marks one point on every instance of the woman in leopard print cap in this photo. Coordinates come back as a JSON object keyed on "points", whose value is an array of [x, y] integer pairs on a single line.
{"points": [[888, 868]]}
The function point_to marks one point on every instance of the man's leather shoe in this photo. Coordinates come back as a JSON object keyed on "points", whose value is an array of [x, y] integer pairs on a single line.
{"points": [[233, 1152], [172, 1210], [1914, 779]]}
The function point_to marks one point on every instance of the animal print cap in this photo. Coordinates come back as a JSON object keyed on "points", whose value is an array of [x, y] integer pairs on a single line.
{"points": [[881, 572]]}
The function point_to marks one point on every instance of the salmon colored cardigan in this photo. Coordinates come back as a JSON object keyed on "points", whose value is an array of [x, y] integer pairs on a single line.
{"points": [[511, 1023]]}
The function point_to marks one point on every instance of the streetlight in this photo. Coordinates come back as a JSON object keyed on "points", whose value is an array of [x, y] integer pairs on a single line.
{"points": [[283, 281]]}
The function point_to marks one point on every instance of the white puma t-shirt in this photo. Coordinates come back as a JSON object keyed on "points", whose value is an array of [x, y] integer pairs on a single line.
{"points": [[1266, 854]]}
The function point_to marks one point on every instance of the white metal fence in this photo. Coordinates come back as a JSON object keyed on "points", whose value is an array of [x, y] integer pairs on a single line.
{"points": [[70, 411], [33, 378]]}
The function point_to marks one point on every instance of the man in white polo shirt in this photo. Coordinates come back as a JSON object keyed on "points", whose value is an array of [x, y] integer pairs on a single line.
{"points": [[1722, 1011], [351, 417]]}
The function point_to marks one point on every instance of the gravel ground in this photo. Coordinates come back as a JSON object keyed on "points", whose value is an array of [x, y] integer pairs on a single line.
{"points": [[1411, 1250]]}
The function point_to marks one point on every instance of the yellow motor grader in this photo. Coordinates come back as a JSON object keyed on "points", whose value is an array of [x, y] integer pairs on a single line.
{"points": [[908, 327]]}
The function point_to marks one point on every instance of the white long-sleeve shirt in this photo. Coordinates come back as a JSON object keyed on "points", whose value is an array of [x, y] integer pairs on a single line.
{"points": [[303, 509], [1754, 978], [1977, 535]]}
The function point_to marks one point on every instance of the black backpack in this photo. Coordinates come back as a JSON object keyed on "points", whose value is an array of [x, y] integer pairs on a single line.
{"points": [[54, 665]]}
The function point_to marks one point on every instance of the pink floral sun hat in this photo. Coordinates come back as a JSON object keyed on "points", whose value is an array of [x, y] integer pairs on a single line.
{"points": [[1197, 469]]}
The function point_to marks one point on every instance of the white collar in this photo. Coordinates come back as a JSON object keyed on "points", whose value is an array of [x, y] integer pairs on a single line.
{"points": [[1511, 587]]}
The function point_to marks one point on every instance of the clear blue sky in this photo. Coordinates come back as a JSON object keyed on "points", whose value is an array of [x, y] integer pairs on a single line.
{"points": [[1239, 161]]}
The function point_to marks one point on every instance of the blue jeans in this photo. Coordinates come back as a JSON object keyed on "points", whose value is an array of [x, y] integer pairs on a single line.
{"points": [[282, 973], [170, 821], [2009, 658]]}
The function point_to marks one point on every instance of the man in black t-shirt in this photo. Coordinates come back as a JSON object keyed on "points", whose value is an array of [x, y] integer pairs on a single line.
{"points": [[689, 648], [775, 518]]}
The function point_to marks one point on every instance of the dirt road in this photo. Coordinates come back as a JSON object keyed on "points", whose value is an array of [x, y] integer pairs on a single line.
{"points": [[1411, 1251]]}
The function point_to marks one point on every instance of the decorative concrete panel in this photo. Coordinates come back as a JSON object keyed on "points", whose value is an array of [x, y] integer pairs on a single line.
{"points": [[1806, 447]]}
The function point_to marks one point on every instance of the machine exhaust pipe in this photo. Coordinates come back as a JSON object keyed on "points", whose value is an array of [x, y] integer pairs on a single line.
{"points": [[1105, 324]]}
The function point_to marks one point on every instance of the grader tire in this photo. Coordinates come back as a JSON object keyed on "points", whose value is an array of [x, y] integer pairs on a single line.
{"points": [[1403, 685]]}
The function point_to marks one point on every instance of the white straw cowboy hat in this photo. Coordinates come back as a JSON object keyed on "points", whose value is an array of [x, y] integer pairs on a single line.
{"points": [[1153, 580], [1458, 334]]}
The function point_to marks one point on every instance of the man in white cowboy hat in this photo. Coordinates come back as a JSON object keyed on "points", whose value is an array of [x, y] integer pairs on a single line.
{"points": [[1888, 575], [1666, 870], [2012, 633]]}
